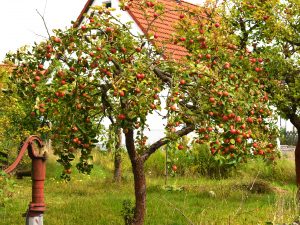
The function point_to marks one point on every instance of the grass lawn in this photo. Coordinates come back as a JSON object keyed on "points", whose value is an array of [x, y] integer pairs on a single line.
{"points": [[95, 199]]}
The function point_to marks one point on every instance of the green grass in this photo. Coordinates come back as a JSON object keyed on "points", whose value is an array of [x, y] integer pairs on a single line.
{"points": [[95, 199]]}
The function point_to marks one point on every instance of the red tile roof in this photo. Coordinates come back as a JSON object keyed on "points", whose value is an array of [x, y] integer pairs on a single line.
{"points": [[163, 26]]}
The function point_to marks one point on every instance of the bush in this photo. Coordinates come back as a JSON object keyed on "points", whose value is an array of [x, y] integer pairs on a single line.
{"points": [[155, 165], [196, 161], [201, 162], [6, 188], [128, 212], [281, 171]]}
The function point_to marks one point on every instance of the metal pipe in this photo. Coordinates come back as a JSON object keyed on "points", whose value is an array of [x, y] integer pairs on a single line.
{"points": [[37, 206]]}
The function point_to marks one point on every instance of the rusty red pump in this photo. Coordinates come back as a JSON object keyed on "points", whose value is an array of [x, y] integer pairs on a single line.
{"points": [[37, 207]]}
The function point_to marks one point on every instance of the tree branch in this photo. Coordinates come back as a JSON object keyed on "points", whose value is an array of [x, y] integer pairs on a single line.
{"points": [[292, 42], [165, 77], [106, 103], [244, 39], [184, 131], [43, 18]]}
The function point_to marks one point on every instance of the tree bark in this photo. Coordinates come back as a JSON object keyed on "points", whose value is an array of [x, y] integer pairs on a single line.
{"points": [[295, 120], [139, 179], [118, 157], [137, 162], [297, 159], [140, 192]]}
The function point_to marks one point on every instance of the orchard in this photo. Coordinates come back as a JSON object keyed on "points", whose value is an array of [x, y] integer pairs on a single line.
{"points": [[219, 91]]}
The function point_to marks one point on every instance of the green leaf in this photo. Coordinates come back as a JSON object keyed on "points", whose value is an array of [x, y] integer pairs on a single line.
{"points": [[94, 140]]}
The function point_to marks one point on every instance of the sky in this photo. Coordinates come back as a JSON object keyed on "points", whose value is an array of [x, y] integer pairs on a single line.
{"points": [[22, 25]]}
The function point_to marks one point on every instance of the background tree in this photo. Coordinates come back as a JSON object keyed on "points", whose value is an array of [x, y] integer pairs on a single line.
{"points": [[81, 76], [15, 119]]}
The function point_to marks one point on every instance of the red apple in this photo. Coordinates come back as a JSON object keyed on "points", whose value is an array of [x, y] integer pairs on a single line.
{"points": [[255, 145], [174, 168], [227, 65], [180, 147], [182, 82], [121, 117], [173, 107], [140, 76], [57, 40], [121, 93]]}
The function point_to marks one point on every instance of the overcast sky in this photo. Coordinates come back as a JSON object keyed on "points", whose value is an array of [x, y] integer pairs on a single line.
{"points": [[21, 24]]}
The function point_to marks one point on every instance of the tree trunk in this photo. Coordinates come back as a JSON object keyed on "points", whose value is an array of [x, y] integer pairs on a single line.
{"points": [[140, 192], [118, 157], [118, 167], [139, 179], [296, 122], [297, 159]]}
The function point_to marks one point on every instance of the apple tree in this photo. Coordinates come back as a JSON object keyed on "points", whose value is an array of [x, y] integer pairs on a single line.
{"points": [[80, 76], [271, 29]]}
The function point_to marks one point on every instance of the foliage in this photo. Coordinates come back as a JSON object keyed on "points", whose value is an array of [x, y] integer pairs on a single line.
{"points": [[270, 28], [155, 166], [288, 137], [83, 75], [100, 70], [206, 165], [6, 189], [14, 119], [282, 172], [127, 212], [197, 161]]}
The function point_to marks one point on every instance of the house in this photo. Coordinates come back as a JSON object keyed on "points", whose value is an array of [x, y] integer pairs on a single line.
{"points": [[162, 26]]}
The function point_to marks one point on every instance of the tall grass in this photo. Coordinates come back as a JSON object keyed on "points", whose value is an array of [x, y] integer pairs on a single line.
{"points": [[256, 194]]}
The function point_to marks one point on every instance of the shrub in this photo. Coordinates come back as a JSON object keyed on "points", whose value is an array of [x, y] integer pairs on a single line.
{"points": [[6, 188], [195, 161], [203, 163], [155, 165], [128, 212], [281, 171]]}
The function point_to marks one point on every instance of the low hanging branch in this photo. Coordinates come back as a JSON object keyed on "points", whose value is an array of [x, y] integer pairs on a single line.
{"points": [[165, 77], [163, 141]]}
